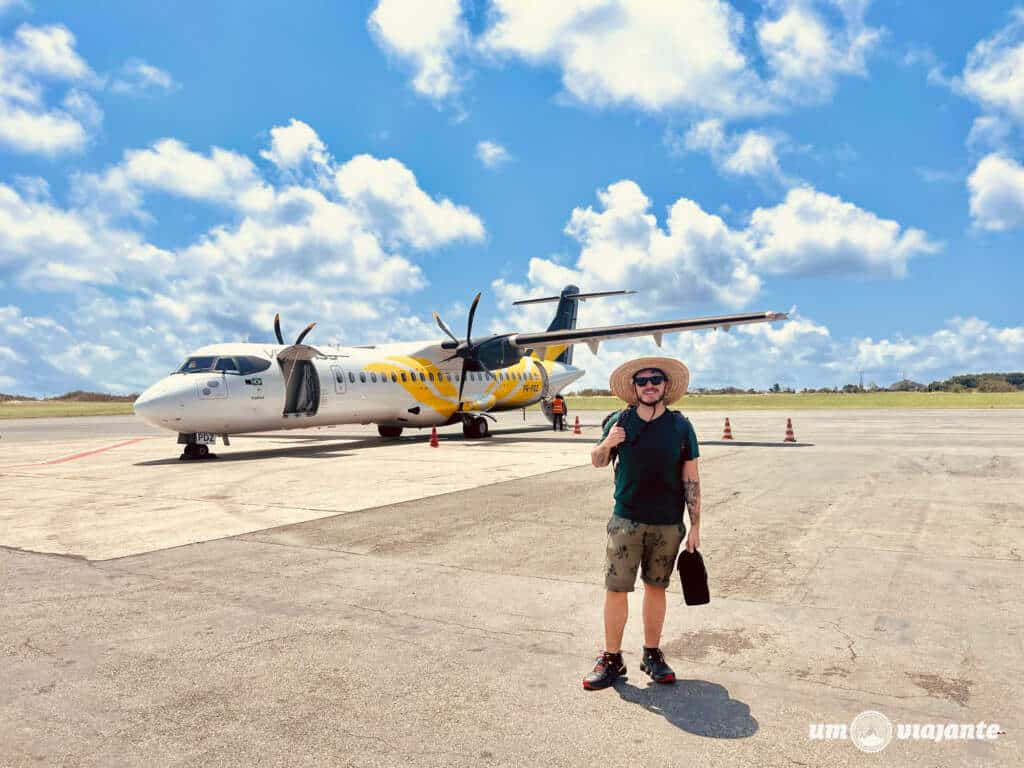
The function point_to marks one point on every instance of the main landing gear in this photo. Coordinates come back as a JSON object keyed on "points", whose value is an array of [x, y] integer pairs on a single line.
{"points": [[384, 431], [474, 427]]}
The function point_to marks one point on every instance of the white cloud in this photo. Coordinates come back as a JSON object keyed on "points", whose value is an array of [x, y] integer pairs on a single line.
{"points": [[997, 193], [988, 133], [750, 153], [812, 233], [492, 154], [46, 246], [310, 251], [137, 78], [388, 195], [428, 34], [294, 144], [169, 166], [694, 259], [35, 132], [36, 56], [994, 72], [47, 52], [648, 54], [652, 55], [805, 54]]}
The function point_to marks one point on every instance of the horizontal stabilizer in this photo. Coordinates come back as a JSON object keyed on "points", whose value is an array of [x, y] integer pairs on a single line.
{"points": [[573, 297]]}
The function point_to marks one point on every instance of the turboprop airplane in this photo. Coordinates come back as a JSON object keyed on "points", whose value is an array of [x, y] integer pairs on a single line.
{"points": [[226, 389]]}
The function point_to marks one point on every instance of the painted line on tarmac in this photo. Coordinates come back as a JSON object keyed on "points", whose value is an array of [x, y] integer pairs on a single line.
{"points": [[75, 456]]}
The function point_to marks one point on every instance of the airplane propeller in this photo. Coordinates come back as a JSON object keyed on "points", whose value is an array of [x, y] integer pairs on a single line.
{"points": [[467, 350], [280, 338]]}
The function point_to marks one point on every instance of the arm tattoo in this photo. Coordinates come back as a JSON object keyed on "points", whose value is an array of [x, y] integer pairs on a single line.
{"points": [[691, 491]]}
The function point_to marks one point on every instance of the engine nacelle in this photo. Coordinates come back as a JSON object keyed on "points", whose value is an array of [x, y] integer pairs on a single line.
{"points": [[497, 353]]}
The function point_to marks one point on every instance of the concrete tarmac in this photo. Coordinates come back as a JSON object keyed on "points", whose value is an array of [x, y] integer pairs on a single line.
{"points": [[326, 598]]}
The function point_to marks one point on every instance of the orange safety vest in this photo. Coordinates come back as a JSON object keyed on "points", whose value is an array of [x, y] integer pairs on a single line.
{"points": [[558, 406]]}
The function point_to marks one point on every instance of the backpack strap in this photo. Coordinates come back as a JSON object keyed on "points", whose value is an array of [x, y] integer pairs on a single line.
{"points": [[610, 417], [682, 423]]}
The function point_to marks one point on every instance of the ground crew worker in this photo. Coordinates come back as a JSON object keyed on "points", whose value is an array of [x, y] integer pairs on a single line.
{"points": [[558, 411], [657, 455]]}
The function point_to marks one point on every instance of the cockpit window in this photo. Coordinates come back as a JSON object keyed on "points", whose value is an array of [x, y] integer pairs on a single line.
{"points": [[197, 364], [252, 364], [244, 365]]}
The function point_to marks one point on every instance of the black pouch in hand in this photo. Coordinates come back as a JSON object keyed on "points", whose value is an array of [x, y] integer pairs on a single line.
{"points": [[694, 577]]}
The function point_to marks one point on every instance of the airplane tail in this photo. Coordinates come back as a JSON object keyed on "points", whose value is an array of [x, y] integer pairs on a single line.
{"points": [[565, 317]]}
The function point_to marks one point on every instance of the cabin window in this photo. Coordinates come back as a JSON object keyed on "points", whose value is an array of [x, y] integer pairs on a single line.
{"points": [[423, 376], [430, 375], [339, 377], [351, 377], [403, 376], [362, 377], [373, 377], [394, 376]]}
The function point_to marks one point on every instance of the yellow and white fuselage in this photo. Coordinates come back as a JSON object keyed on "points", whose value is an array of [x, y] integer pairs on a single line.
{"points": [[249, 388]]}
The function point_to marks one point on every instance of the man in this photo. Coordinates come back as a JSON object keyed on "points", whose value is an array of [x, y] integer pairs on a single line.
{"points": [[656, 472], [558, 410]]}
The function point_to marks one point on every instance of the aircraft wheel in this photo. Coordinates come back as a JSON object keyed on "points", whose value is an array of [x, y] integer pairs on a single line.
{"points": [[384, 431], [469, 428], [481, 427], [196, 451]]}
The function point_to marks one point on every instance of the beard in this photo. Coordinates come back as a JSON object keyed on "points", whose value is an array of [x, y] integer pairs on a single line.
{"points": [[649, 402]]}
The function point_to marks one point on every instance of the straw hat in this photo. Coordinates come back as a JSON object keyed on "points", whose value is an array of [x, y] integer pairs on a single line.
{"points": [[621, 381]]}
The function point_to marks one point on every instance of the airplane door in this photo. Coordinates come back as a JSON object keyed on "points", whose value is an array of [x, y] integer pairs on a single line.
{"points": [[339, 380], [545, 382]]}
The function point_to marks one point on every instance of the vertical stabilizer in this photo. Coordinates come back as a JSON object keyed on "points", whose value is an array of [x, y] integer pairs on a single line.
{"points": [[565, 319]]}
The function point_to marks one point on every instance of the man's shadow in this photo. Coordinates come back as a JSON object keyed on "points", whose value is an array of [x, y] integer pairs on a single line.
{"points": [[695, 706]]}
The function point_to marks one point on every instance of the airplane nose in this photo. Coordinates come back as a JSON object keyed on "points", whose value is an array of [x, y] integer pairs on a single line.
{"points": [[157, 405]]}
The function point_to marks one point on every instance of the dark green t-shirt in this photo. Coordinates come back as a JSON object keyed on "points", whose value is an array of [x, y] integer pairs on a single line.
{"points": [[648, 475]]}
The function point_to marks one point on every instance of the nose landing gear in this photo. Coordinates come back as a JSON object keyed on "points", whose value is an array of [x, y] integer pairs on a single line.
{"points": [[195, 451]]}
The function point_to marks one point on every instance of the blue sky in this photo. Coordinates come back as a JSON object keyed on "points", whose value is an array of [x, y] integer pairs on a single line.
{"points": [[172, 175]]}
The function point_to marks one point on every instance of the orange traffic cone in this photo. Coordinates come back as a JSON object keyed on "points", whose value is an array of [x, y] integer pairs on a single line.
{"points": [[790, 437], [576, 430], [433, 437], [727, 430]]}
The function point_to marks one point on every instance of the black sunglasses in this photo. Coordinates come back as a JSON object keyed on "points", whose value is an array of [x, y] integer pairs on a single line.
{"points": [[643, 381]]}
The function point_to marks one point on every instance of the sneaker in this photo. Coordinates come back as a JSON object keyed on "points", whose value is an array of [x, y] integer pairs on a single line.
{"points": [[654, 665], [608, 669]]}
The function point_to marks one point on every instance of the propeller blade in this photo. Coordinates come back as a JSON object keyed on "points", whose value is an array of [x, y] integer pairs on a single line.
{"points": [[444, 328], [277, 328], [469, 325], [462, 380], [305, 330]]}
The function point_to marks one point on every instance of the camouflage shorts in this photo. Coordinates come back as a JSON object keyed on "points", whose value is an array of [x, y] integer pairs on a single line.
{"points": [[652, 548]]}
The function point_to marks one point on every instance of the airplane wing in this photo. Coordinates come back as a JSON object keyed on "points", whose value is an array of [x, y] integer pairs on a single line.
{"points": [[592, 337]]}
